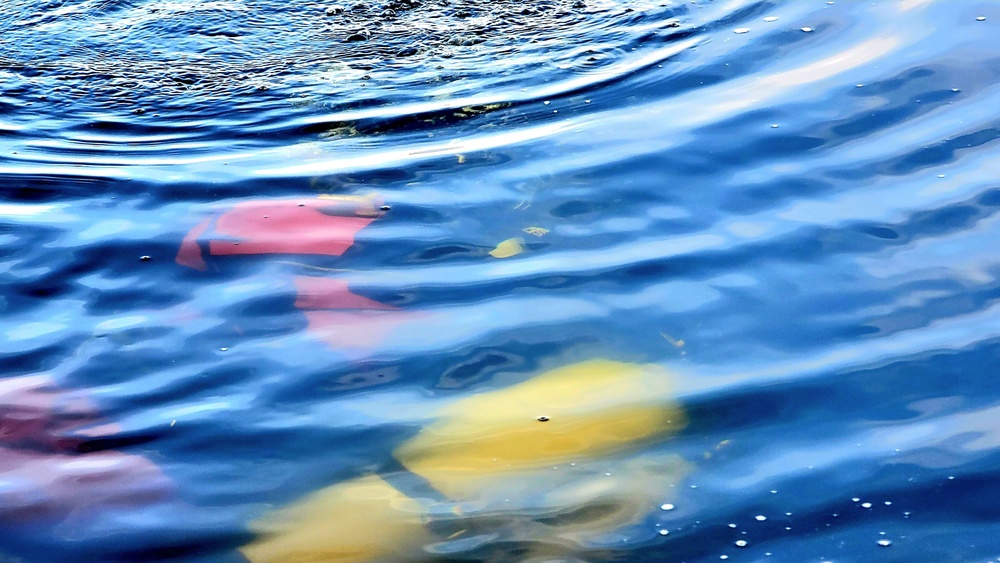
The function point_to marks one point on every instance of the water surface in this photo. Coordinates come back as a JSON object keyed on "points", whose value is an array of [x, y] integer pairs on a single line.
{"points": [[786, 206]]}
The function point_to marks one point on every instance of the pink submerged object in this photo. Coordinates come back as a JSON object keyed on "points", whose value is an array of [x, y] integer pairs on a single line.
{"points": [[322, 226], [325, 226], [44, 476]]}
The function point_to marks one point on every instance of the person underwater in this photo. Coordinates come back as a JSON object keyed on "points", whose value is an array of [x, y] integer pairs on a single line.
{"points": [[306, 233], [550, 465], [305, 244]]}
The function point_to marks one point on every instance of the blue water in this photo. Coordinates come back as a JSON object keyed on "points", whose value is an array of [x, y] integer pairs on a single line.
{"points": [[794, 216]]}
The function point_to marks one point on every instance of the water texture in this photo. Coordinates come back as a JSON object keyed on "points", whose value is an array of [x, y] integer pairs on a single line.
{"points": [[771, 221]]}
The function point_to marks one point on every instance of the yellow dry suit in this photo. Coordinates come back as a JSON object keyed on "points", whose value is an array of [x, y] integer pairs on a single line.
{"points": [[549, 463]]}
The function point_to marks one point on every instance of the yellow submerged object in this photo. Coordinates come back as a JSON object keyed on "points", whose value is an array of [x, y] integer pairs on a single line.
{"points": [[529, 463], [363, 519], [508, 248], [578, 411]]}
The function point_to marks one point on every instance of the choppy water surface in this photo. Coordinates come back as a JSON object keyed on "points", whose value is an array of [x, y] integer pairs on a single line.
{"points": [[761, 235]]}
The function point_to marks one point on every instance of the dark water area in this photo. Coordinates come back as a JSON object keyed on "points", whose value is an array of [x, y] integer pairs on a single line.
{"points": [[414, 280]]}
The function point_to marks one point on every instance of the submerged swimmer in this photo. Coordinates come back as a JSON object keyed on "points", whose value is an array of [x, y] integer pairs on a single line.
{"points": [[546, 465], [307, 233], [312, 238]]}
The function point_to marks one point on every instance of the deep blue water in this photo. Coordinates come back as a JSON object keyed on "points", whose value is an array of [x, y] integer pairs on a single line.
{"points": [[792, 217]]}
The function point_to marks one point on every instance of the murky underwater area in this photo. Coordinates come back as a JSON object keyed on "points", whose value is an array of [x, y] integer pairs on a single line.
{"points": [[457, 280]]}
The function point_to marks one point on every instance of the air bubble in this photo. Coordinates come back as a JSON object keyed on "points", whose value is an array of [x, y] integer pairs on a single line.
{"points": [[807, 29], [760, 517], [666, 506], [741, 30], [771, 19], [741, 543], [884, 543]]}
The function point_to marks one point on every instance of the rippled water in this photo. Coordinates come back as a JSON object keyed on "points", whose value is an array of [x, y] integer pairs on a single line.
{"points": [[782, 210]]}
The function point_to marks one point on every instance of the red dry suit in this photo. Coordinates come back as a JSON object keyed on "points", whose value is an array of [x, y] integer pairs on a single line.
{"points": [[302, 227]]}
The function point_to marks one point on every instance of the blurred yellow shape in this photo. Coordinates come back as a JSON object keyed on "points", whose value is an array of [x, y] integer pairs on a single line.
{"points": [[583, 410], [358, 520], [507, 248], [528, 463]]}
